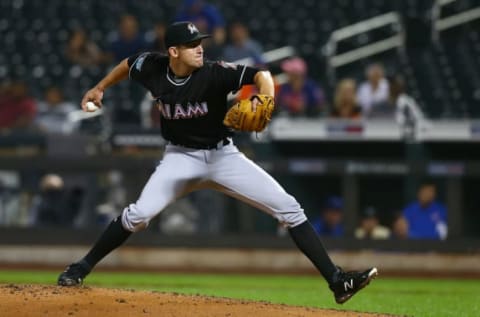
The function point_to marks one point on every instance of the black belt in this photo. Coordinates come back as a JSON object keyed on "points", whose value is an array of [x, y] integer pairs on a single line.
{"points": [[199, 146]]}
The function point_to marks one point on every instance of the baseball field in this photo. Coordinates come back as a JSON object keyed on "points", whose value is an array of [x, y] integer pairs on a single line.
{"points": [[33, 293]]}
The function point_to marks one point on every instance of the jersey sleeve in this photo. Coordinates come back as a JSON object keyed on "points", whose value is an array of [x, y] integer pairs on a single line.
{"points": [[143, 66], [233, 76]]}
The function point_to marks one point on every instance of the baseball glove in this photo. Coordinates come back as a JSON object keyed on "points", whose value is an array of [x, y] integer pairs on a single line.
{"points": [[241, 117]]}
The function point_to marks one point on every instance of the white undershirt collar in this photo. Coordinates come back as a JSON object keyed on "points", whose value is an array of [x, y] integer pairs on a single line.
{"points": [[176, 81]]}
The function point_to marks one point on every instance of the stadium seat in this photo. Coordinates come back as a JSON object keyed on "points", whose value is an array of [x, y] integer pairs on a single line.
{"points": [[444, 77]]}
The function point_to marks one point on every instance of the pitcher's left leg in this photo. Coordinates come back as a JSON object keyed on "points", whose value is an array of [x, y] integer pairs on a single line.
{"points": [[240, 177]]}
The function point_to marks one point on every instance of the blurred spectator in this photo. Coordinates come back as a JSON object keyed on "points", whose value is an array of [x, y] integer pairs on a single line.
{"points": [[345, 101], [426, 217], [208, 19], [158, 43], [374, 91], [128, 40], [17, 108], [249, 90], [10, 205], [241, 45], [330, 221], [370, 227], [300, 96], [114, 198], [399, 227], [149, 112], [204, 15], [388, 110], [53, 113], [82, 51], [407, 112], [400, 106], [54, 205], [179, 218], [213, 49]]}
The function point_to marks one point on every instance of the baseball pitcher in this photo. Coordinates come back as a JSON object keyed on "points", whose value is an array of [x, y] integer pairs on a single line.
{"points": [[191, 94]]}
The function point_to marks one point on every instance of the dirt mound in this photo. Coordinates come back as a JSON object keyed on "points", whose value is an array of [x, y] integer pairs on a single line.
{"points": [[41, 300]]}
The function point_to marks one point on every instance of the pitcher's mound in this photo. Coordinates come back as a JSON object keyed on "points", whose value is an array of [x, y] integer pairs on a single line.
{"points": [[41, 300]]}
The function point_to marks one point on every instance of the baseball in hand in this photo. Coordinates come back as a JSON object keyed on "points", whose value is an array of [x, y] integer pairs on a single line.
{"points": [[91, 106]]}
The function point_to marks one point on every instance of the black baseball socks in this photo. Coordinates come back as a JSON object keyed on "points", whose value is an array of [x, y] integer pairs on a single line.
{"points": [[114, 236], [310, 244], [303, 235]]}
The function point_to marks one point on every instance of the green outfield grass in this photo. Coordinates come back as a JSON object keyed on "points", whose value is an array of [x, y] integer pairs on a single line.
{"points": [[398, 296]]}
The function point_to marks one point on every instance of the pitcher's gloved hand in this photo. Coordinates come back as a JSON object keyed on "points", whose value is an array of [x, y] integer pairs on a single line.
{"points": [[251, 114]]}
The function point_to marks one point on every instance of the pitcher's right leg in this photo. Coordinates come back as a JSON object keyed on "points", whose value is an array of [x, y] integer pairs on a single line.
{"points": [[173, 177]]}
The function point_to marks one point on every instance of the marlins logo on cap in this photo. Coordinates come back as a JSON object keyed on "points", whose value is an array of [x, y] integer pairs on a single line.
{"points": [[182, 33], [192, 28]]}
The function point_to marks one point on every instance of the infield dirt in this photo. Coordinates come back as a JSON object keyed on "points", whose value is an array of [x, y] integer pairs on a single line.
{"points": [[41, 300]]}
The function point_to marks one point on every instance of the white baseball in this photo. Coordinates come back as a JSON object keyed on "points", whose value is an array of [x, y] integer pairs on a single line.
{"points": [[91, 106]]}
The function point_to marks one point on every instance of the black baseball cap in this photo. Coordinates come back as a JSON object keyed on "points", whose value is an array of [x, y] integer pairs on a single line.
{"points": [[182, 33]]}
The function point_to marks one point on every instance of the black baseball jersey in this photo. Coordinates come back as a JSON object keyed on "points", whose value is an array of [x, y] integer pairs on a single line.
{"points": [[192, 108]]}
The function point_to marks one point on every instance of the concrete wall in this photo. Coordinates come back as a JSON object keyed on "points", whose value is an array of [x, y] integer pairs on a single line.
{"points": [[198, 259]]}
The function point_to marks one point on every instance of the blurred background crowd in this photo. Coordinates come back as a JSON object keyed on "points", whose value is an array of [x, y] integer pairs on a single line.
{"points": [[53, 51]]}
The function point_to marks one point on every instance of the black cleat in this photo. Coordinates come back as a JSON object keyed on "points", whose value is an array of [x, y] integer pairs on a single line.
{"points": [[74, 274], [346, 284]]}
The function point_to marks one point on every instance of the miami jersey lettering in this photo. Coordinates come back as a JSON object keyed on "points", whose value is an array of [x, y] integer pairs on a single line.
{"points": [[179, 111]]}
